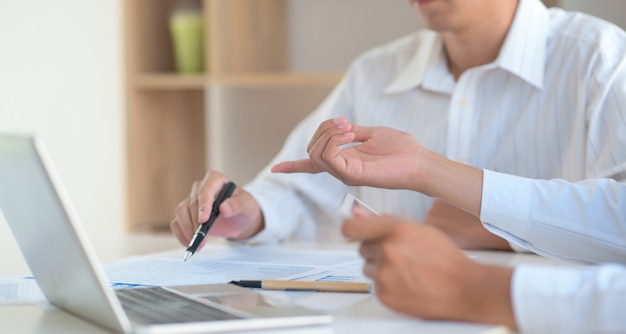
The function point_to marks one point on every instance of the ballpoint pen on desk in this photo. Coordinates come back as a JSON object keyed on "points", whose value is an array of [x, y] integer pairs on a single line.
{"points": [[305, 285], [226, 191]]}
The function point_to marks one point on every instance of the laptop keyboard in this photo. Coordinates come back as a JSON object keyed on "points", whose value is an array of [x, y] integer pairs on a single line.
{"points": [[156, 305]]}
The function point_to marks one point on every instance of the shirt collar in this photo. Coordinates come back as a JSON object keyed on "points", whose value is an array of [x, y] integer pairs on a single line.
{"points": [[524, 50], [429, 50], [528, 31]]}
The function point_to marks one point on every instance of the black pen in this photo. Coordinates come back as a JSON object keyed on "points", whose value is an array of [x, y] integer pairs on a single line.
{"points": [[226, 191], [305, 285]]}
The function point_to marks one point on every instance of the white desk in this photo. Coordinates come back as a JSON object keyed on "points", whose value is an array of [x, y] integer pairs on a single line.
{"points": [[365, 315]]}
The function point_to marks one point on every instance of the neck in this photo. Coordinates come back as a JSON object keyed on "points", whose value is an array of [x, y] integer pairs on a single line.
{"points": [[478, 43]]}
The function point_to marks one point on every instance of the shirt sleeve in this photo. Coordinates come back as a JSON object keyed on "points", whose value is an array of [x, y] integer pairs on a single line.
{"points": [[548, 299], [582, 222]]}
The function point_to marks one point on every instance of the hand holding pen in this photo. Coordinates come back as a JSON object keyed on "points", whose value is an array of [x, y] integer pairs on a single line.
{"points": [[226, 191]]}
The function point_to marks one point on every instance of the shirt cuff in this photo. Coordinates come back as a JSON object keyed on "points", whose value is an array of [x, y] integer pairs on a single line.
{"points": [[505, 206]]}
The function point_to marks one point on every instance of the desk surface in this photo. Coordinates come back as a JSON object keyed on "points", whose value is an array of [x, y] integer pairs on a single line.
{"points": [[364, 315]]}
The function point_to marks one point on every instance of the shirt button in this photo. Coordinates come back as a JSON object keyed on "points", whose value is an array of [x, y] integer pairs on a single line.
{"points": [[462, 102]]}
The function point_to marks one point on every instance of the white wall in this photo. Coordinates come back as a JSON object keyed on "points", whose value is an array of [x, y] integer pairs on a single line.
{"points": [[326, 35], [61, 78], [610, 10]]}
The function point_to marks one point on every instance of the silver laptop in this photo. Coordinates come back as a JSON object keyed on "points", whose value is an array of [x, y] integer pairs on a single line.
{"points": [[65, 267]]}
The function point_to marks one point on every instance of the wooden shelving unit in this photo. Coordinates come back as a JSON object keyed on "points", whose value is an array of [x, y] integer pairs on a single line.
{"points": [[168, 81], [168, 114]]}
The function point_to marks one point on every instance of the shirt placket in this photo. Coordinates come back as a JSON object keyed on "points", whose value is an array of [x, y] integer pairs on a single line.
{"points": [[461, 120]]}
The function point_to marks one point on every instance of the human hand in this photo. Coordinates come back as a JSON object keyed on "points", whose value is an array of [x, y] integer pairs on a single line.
{"points": [[240, 215], [465, 230], [418, 271], [387, 158], [382, 157]]}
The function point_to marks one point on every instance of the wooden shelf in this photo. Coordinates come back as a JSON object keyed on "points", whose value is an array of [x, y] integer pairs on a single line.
{"points": [[277, 79], [172, 81], [172, 118]]}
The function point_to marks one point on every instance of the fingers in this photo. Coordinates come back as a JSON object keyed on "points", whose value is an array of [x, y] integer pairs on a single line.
{"points": [[320, 154], [297, 166], [175, 227], [240, 215], [368, 228], [362, 212], [320, 141], [339, 122], [192, 204], [184, 223], [206, 192], [370, 269], [323, 148], [193, 210], [326, 153], [185, 219], [362, 133], [375, 232]]}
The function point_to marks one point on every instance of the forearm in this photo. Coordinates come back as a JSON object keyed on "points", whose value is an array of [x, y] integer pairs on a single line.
{"points": [[453, 182]]}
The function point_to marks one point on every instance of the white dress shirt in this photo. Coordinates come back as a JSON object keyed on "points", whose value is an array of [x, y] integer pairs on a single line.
{"points": [[549, 299], [552, 105], [583, 221]]}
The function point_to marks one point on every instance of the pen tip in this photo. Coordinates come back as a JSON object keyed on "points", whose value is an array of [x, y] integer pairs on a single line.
{"points": [[188, 254]]}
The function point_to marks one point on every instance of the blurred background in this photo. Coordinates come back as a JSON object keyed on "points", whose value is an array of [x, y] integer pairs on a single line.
{"points": [[128, 132]]}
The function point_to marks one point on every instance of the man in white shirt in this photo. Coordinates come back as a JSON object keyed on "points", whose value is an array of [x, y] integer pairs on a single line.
{"points": [[416, 268], [504, 85]]}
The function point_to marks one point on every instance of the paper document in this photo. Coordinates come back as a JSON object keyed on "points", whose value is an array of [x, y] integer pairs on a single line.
{"points": [[213, 265], [237, 263]]}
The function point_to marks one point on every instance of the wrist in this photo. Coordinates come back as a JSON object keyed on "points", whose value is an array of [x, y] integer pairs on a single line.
{"points": [[458, 184], [421, 179]]}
